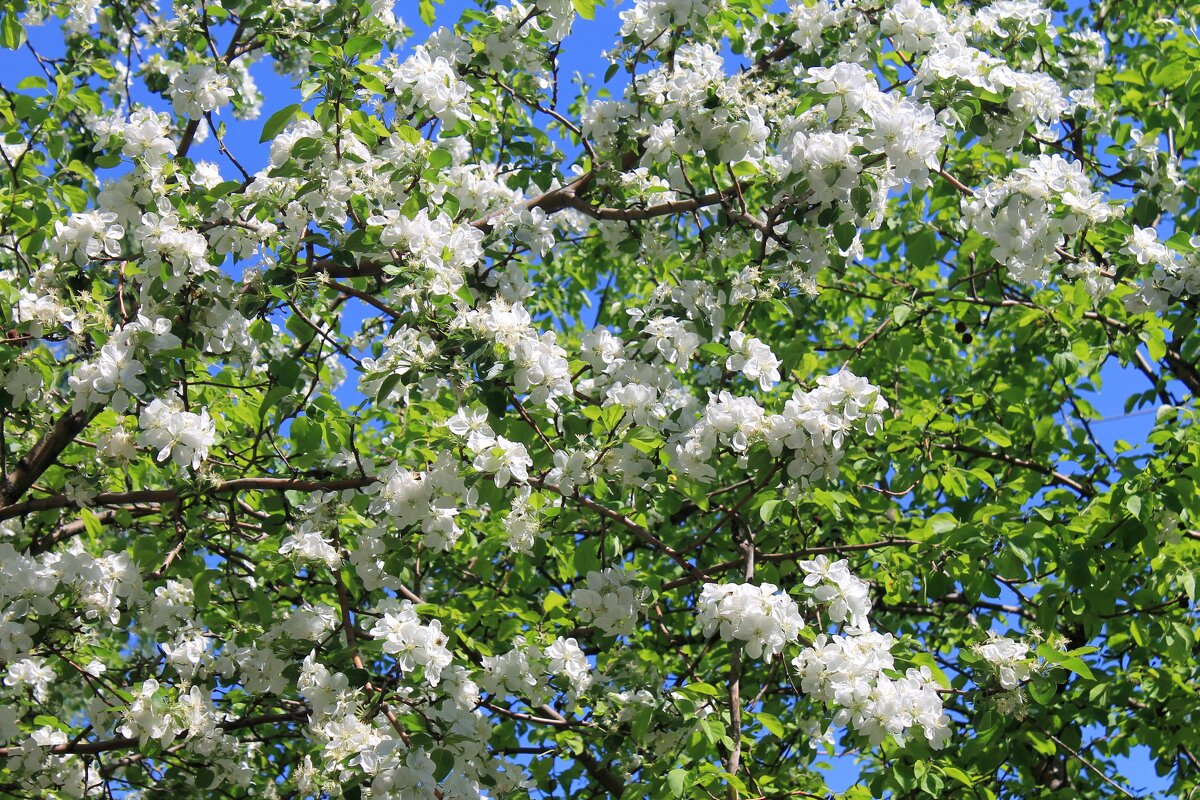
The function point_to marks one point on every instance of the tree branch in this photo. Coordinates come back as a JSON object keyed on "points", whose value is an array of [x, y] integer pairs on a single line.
{"points": [[126, 742], [170, 495]]}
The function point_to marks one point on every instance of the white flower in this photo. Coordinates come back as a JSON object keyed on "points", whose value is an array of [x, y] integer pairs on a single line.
{"points": [[566, 658], [761, 616], [848, 673], [432, 85], [199, 89], [411, 643], [508, 460], [511, 673], [1009, 657], [609, 601], [753, 359], [23, 383], [309, 545], [669, 339], [33, 673], [847, 596], [88, 236], [179, 435], [116, 445], [473, 425], [189, 654]]}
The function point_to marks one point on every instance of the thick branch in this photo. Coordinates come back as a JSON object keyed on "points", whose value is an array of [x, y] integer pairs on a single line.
{"points": [[169, 495], [647, 212], [43, 454], [75, 527]]}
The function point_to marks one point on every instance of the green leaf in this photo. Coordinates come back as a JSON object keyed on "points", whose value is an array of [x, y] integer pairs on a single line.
{"points": [[262, 607], [277, 122], [273, 396], [572, 740], [771, 723], [205, 778], [408, 134], [1066, 661], [553, 601], [1133, 504], [426, 11], [919, 248], [844, 234], [1042, 691], [12, 35], [999, 437], [363, 47], [611, 417], [307, 147], [677, 781], [91, 522], [958, 775], [202, 587], [698, 690], [443, 760], [713, 729], [585, 8], [943, 523], [386, 386]]}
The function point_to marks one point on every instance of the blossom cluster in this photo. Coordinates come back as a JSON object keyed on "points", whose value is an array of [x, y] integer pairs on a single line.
{"points": [[114, 377], [609, 600], [430, 499], [1028, 213], [1175, 275], [810, 432], [539, 363], [1009, 657], [182, 436], [848, 670], [761, 616], [411, 643], [523, 671]]}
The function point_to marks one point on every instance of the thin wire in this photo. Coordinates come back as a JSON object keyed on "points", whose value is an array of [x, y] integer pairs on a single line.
{"points": [[1138, 413]]}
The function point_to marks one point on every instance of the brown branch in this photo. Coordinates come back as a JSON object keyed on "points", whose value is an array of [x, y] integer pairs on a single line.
{"points": [[75, 527], [1016, 461], [366, 297], [616, 516], [1078, 757], [607, 778], [126, 742], [170, 495], [793, 555], [43, 454], [558, 721], [648, 212]]}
